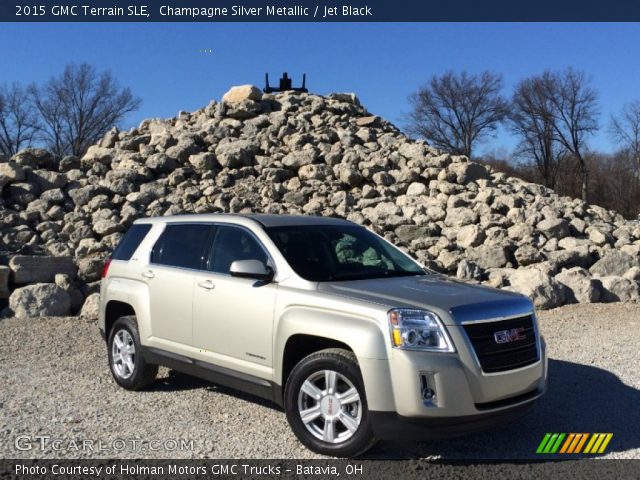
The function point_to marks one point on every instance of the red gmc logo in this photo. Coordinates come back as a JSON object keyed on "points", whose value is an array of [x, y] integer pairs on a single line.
{"points": [[506, 336]]}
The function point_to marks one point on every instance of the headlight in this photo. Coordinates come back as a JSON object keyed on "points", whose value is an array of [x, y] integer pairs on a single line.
{"points": [[418, 330]]}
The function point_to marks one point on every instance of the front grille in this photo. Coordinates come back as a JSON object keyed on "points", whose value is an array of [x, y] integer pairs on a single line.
{"points": [[513, 353]]}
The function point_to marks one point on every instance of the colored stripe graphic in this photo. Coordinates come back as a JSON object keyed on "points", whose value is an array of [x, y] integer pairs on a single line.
{"points": [[606, 441], [581, 443], [543, 443], [574, 443]]}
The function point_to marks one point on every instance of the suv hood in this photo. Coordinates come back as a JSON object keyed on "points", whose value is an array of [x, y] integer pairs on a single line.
{"points": [[460, 302]]}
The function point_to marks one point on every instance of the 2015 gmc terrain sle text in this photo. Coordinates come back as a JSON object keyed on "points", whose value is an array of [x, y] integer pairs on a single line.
{"points": [[350, 335]]}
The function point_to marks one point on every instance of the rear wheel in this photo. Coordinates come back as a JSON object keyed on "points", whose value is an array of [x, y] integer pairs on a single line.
{"points": [[128, 366], [326, 404]]}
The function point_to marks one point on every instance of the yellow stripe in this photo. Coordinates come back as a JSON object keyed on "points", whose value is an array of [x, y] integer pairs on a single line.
{"points": [[596, 446], [594, 438], [584, 439], [567, 442], [575, 442], [606, 442]]}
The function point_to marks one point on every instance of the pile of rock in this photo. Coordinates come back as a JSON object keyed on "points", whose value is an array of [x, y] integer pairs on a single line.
{"points": [[303, 154]]}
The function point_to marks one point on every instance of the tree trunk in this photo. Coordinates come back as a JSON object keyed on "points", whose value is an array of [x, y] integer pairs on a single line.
{"points": [[585, 181]]}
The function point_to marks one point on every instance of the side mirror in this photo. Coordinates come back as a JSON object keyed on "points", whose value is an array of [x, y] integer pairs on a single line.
{"points": [[250, 269]]}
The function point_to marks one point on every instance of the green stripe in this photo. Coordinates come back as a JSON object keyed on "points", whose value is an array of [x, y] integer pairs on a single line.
{"points": [[550, 443], [558, 442], [543, 443]]}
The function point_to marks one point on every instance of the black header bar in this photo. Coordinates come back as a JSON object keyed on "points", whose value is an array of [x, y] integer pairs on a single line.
{"points": [[320, 11]]}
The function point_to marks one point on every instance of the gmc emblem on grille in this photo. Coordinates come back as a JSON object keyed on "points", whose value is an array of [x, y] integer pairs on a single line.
{"points": [[506, 336]]}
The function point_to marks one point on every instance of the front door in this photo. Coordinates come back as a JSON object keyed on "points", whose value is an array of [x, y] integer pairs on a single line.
{"points": [[233, 317]]}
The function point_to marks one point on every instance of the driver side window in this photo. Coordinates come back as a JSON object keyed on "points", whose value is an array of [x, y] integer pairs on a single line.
{"points": [[231, 244]]}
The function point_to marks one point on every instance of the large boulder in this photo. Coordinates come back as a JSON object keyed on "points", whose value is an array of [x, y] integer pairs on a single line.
{"points": [[544, 290], [40, 300], [91, 307], [235, 154], [619, 289], [489, 256], [241, 93], [554, 228], [39, 269], [579, 285], [614, 263]]}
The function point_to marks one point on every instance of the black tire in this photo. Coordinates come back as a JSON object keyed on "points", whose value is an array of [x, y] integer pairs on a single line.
{"points": [[344, 363], [143, 374]]}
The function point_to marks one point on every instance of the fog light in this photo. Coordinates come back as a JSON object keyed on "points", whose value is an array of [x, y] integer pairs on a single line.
{"points": [[428, 389]]}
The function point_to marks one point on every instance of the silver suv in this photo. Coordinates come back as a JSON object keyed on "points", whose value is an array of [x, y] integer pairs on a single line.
{"points": [[350, 335]]}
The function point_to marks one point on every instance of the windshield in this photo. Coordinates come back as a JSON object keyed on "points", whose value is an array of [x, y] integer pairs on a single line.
{"points": [[323, 253]]}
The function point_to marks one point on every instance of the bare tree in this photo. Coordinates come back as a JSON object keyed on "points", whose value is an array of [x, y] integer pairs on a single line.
{"points": [[456, 110], [532, 120], [625, 129], [575, 111], [79, 107], [18, 120]]}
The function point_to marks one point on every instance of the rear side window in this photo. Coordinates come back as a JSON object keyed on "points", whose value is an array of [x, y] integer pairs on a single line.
{"points": [[130, 242], [182, 246]]}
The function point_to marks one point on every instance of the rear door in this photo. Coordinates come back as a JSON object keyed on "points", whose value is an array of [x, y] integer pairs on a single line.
{"points": [[233, 317], [176, 258]]}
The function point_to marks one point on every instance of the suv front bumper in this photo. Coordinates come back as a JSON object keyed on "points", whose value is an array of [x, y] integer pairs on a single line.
{"points": [[465, 400], [391, 426]]}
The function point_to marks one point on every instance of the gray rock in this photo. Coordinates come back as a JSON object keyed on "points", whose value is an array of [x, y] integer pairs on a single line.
{"points": [[527, 255], [554, 228], [11, 172], [468, 172], [39, 269], [619, 289], [4, 281], [90, 268], [580, 287], [544, 291], [489, 256], [235, 154], [97, 154], [470, 236], [613, 263], [203, 162], [299, 158], [91, 307], [408, 233], [417, 188], [468, 270], [67, 283], [40, 300], [315, 172]]}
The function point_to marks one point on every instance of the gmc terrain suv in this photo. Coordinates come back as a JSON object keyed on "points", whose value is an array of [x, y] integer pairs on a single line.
{"points": [[351, 336]]}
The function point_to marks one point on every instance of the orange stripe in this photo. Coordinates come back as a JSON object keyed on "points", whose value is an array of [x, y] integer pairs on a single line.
{"points": [[577, 438], [581, 444], [567, 442]]}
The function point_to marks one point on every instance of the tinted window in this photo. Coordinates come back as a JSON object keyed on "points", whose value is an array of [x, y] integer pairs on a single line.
{"points": [[182, 246], [231, 244], [329, 252], [130, 242]]}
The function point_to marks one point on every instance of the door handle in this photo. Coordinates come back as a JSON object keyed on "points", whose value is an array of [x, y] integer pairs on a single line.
{"points": [[207, 285], [148, 274]]}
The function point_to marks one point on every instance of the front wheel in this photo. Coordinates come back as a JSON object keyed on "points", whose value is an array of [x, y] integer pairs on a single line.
{"points": [[326, 404]]}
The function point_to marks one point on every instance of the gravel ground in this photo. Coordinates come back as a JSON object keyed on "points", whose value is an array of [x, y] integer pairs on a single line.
{"points": [[56, 383]]}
